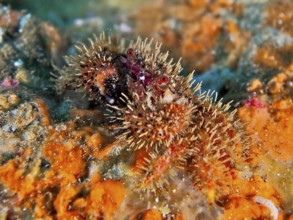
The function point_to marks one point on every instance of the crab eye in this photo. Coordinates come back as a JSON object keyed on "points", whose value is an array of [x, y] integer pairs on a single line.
{"points": [[163, 80], [130, 53]]}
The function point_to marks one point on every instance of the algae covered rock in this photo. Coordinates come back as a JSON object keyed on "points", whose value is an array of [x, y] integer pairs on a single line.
{"points": [[114, 130]]}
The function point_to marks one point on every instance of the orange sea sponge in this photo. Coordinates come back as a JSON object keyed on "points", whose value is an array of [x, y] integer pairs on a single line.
{"points": [[12, 177], [51, 185], [270, 114], [242, 208], [243, 202], [198, 27], [107, 196], [269, 119], [260, 121], [103, 200]]}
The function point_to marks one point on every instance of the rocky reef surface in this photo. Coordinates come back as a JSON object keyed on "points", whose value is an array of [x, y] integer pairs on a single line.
{"points": [[113, 128]]}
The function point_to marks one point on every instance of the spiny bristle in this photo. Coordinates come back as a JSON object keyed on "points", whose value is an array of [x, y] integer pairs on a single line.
{"points": [[94, 70], [157, 171], [153, 108], [161, 124]]}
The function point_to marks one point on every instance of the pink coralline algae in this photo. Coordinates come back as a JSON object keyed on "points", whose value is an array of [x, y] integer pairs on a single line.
{"points": [[9, 83], [254, 102]]}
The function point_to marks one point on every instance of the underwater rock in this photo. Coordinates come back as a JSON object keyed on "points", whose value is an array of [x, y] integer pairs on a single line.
{"points": [[8, 100], [164, 149], [28, 47], [205, 32], [161, 127], [21, 127], [273, 118]]}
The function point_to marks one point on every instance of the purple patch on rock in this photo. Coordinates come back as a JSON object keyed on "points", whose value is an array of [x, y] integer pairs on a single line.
{"points": [[9, 83]]}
